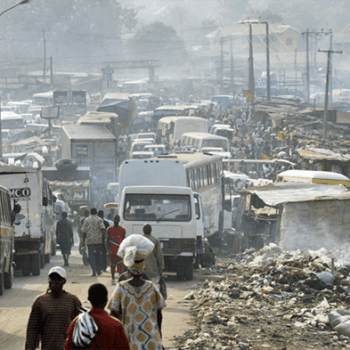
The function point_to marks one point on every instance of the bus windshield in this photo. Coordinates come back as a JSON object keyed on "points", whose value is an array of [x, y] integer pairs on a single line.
{"points": [[157, 207], [214, 143]]}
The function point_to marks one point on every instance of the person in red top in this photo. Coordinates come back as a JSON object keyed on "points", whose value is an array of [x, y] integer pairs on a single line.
{"points": [[110, 334], [115, 235]]}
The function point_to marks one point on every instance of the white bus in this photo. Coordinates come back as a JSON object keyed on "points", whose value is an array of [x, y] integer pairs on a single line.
{"points": [[175, 127], [202, 173], [200, 139], [174, 214]]}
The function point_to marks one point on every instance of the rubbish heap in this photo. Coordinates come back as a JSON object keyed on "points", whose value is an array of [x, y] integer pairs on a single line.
{"points": [[274, 299]]}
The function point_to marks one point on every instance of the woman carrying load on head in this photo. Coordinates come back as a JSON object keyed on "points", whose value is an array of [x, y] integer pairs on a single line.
{"points": [[137, 302]]}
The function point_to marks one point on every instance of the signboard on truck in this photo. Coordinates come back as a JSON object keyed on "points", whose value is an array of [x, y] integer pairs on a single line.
{"points": [[71, 104]]}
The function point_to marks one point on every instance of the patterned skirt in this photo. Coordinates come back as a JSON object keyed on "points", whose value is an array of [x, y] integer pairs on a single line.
{"points": [[116, 261]]}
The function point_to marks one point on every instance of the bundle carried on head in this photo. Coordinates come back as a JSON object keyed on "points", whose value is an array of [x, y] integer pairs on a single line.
{"points": [[135, 248]]}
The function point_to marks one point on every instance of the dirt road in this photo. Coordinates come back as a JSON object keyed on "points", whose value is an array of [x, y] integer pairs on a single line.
{"points": [[15, 303]]}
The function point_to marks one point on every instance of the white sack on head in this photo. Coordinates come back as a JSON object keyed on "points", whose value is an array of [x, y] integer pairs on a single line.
{"points": [[135, 247]]}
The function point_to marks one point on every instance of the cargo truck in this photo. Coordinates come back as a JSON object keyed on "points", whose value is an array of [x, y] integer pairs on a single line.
{"points": [[34, 222]]}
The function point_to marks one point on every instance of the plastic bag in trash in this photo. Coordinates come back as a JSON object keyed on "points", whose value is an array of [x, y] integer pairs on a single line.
{"points": [[135, 247]]}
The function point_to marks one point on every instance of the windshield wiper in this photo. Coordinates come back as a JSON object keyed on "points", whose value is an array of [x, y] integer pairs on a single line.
{"points": [[173, 211]]}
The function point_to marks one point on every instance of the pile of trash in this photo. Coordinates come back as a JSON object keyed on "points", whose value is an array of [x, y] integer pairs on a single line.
{"points": [[274, 299]]}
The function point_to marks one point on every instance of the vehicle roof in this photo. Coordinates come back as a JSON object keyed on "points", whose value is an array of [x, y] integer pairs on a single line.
{"points": [[143, 140], [187, 157], [96, 117], [87, 132], [204, 135], [157, 189], [180, 117], [153, 145], [146, 153], [313, 174], [175, 107]]}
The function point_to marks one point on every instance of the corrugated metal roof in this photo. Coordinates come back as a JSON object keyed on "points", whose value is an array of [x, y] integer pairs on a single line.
{"points": [[275, 194], [87, 132]]}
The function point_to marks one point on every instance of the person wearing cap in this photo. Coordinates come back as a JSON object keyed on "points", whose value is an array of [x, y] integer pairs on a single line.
{"points": [[155, 261], [115, 236], [94, 230], [51, 314], [137, 302], [110, 334]]}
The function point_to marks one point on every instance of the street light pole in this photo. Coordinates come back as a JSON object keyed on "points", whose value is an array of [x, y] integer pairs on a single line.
{"points": [[1, 13]]}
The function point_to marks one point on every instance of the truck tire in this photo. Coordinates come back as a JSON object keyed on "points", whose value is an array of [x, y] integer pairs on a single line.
{"points": [[189, 269], [184, 269], [8, 278], [36, 260], [42, 260], [2, 281]]}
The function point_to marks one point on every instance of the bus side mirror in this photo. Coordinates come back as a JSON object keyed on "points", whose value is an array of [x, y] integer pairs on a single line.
{"points": [[45, 201], [227, 205]]}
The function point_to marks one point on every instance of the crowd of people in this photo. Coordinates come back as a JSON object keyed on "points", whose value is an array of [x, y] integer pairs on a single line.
{"points": [[57, 319]]}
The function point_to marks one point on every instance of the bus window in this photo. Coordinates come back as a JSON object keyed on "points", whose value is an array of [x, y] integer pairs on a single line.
{"points": [[205, 176], [214, 174], [198, 178], [210, 180]]}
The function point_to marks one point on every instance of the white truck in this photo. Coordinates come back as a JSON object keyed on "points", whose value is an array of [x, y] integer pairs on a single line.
{"points": [[35, 236], [176, 217]]}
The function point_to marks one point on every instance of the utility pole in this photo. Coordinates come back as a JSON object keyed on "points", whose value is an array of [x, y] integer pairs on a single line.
{"points": [[308, 60], [232, 69], [44, 68], [330, 68], [251, 63], [307, 66], [51, 72], [268, 81], [222, 62], [329, 52]]}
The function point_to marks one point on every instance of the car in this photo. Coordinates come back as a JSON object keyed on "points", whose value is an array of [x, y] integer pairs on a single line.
{"points": [[156, 149]]}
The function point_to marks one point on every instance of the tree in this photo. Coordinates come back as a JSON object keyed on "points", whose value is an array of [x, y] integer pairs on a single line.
{"points": [[158, 41], [76, 30]]}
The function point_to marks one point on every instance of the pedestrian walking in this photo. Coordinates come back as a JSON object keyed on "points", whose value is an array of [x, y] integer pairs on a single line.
{"points": [[115, 236], [155, 261], [137, 302], [52, 313], [82, 244], [101, 214], [109, 333], [94, 230], [64, 234]]}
